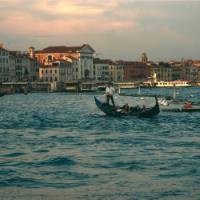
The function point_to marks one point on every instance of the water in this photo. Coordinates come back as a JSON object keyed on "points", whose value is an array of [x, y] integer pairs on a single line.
{"points": [[59, 146]]}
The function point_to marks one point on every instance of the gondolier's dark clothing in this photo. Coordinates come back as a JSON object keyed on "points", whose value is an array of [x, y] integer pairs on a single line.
{"points": [[109, 94], [108, 97]]}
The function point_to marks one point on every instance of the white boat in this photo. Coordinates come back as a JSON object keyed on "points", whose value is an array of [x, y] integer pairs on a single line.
{"points": [[177, 83], [125, 85]]}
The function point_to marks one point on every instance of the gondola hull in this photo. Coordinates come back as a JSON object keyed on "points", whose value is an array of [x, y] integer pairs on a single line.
{"points": [[135, 111]]}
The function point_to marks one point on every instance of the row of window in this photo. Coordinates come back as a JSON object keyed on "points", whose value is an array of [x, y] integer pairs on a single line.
{"points": [[3, 60], [3, 70], [4, 79], [49, 79], [4, 53], [50, 71]]}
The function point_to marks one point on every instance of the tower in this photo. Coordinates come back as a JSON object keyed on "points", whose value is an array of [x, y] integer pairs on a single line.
{"points": [[31, 51], [144, 58]]}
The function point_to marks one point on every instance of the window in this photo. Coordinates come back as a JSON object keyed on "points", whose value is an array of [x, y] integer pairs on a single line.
{"points": [[50, 58], [87, 72]]}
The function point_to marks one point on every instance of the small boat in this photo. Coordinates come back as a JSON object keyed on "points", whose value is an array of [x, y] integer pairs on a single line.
{"points": [[187, 107], [133, 111]]}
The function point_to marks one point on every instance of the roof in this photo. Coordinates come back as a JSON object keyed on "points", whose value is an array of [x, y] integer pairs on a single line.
{"points": [[103, 61], [1, 48], [64, 49]]}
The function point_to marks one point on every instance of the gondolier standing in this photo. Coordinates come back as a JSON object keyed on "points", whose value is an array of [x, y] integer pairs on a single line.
{"points": [[109, 93]]}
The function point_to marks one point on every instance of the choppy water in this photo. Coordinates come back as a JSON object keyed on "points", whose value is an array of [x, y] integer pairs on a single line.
{"points": [[59, 146]]}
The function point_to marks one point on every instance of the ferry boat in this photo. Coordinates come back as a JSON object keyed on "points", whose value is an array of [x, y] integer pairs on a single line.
{"points": [[125, 85], [177, 83]]}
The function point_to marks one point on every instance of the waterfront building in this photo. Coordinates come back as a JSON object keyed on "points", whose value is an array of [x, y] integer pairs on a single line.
{"points": [[195, 71], [135, 71], [103, 69], [57, 71], [108, 70], [191, 70], [177, 70], [82, 57], [163, 71], [118, 72], [7, 66], [26, 68]]}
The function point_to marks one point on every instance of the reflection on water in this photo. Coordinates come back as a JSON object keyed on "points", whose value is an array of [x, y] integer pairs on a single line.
{"points": [[59, 146]]}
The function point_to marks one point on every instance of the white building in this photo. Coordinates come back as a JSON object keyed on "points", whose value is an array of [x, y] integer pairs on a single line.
{"points": [[107, 70], [7, 66], [82, 58], [57, 71], [26, 68]]}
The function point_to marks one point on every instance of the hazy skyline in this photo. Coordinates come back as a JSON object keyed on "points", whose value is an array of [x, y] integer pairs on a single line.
{"points": [[116, 29]]}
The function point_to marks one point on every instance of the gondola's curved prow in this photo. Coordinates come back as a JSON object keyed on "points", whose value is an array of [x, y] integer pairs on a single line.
{"points": [[141, 112], [150, 112], [106, 108]]}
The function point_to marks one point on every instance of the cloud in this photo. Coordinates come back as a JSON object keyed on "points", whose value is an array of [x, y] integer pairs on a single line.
{"points": [[127, 25]]}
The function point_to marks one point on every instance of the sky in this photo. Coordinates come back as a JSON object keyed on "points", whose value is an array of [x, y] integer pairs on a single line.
{"points": [[116, 29]]}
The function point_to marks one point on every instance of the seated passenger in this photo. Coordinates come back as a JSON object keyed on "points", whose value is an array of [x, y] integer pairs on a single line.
{"points": [[126, 107]]}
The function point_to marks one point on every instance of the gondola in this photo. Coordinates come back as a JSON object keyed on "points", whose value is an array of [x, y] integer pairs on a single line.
{"points": [[133, 111]]}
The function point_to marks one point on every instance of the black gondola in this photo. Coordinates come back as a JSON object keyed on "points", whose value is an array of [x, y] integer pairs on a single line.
{"points": [[133, 111]]}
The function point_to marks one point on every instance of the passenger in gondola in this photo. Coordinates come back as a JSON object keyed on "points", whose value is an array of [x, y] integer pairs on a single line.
{"points": [[126, 108], [109, 94]]}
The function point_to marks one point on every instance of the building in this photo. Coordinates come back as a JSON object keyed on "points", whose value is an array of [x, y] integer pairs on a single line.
{"points": [[103, 69], [163, 71], [82, 57], [195, 71], [108, 70], [135, 71], [7, 66], [57, 71], [177, 70], [26, 68]]}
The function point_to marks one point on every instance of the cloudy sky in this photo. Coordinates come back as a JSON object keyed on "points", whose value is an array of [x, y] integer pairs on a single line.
{"points": [[117, 29]]}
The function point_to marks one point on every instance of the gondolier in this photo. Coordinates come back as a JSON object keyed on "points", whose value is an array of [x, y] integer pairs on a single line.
{"points": [[109, 94]]}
